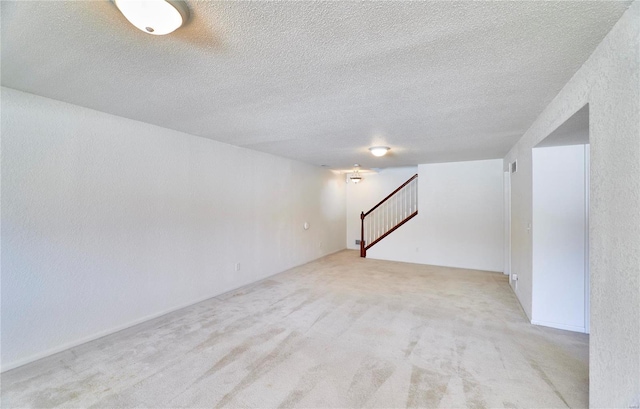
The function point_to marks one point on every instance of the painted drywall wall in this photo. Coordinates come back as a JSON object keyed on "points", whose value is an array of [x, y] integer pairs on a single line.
{"points": [[559, 237], [363, 196], [108, 221], [609, 81], [459, 221]]}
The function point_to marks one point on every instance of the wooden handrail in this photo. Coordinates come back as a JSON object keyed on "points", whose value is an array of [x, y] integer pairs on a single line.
{"points": [[388, 197], [412, 205]]}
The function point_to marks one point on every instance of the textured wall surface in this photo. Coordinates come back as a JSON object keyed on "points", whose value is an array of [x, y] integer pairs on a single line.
{"points": [[460, 220], [108, 221], [609, 82]]}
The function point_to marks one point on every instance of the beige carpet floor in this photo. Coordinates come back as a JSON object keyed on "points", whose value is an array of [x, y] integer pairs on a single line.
{"points": [[338, 332]]}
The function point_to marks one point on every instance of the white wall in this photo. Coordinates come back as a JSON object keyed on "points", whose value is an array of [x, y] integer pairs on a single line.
{"points": [[609, 81], [459, 221], [363, 196], [559, 237], [108, 221]]}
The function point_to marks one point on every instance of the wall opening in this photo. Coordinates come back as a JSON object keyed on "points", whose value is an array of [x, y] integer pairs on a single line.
{"points": [[560, 226]]}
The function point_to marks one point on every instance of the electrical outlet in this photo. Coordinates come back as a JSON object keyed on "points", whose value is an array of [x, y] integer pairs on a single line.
{"points": [[357, 242], [237, 266]]}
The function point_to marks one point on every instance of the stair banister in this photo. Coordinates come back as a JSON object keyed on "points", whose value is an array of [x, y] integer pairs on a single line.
{"points": [[392, 218]]}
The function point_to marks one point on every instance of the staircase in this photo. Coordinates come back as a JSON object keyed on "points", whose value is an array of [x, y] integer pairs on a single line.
{"points": [[392, 212]]}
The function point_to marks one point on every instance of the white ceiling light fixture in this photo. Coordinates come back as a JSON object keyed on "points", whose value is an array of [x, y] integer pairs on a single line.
{"points": [[157, 17], [379, 150], [356, 177]]}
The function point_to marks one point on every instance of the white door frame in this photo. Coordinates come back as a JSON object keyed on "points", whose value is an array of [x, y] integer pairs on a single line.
{"points": [[587, 278], [507, 222]]}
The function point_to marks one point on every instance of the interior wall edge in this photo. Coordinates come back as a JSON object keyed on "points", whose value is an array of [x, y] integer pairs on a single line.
{"points": [[609, 81]]}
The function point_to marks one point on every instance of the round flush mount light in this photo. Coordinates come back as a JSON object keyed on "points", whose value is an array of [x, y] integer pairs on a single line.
{"points": [[379, 150], [157, 17]]}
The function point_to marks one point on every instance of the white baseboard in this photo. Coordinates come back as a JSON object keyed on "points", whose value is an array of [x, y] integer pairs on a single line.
{"points": [[97, 335], [559, 326], [93, 337]]}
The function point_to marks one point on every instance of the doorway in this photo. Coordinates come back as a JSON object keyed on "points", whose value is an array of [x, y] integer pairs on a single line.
{"points": [[560, 226]]}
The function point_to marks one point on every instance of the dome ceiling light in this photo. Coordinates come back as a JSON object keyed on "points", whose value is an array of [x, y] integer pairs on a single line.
{"points": [[157, 17], [379, 150]]}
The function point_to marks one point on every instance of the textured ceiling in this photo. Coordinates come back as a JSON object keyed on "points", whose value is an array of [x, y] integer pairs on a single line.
{"points": [[315, 81]]}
